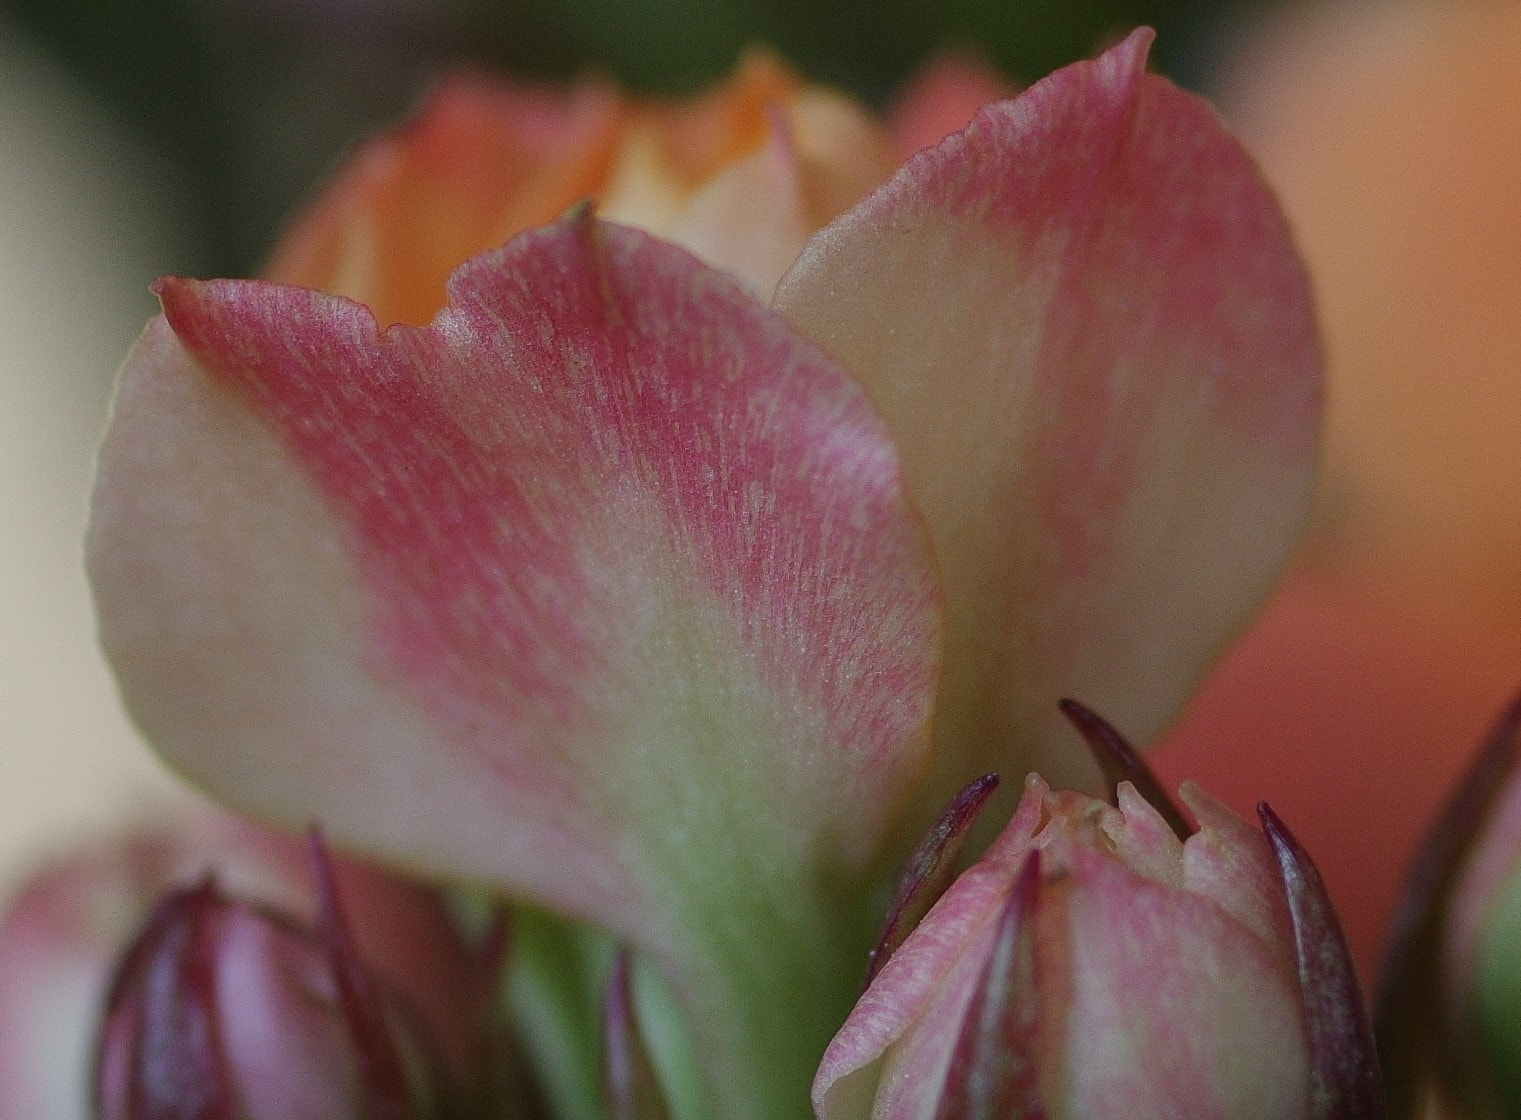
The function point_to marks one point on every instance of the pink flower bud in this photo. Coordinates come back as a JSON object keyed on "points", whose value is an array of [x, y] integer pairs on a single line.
{"points": [[65, 933], [1095, 964], [222, 1010]]}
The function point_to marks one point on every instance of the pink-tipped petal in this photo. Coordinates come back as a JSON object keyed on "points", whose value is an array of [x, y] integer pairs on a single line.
{"points": [[942, 98], [890, 1058], [1087, 325], [1171, 1008], [992, 1075], [603, 588]]}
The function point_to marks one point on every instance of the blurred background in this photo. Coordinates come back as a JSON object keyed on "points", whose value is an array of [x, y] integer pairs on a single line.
{"points": [[176, 136], [246, 102]]}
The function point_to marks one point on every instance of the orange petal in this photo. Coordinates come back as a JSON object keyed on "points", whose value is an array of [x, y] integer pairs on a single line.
{"points": [[482, 161]]}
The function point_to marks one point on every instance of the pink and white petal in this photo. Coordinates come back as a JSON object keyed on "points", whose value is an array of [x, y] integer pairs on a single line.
{"points": [[1134, 946], [919, 999], [604, 589], [1088, 327], [1231, 862], [914, 1008]]}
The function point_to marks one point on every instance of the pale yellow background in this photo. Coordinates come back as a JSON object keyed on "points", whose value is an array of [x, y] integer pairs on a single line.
{"points": [[84, 228]]}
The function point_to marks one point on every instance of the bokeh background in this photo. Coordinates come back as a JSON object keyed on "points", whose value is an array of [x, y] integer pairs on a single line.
{"points": [[175, 135]]}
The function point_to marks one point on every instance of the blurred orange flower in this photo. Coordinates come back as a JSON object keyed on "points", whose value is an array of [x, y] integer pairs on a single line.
{"points": [[1393, 135], [742, 175]]}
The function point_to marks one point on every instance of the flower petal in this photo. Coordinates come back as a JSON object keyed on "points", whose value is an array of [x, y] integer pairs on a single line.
{"points": [[920, 996], [1086, 323], [755, 216], [942, 98], [1136, 946], [482, 160], [604, 588]]}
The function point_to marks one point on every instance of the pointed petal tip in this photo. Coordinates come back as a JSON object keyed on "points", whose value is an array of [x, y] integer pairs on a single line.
{"points": [[1135, 48], [1346, 1083], [930, 869], [1120, 762], [581, 213]]}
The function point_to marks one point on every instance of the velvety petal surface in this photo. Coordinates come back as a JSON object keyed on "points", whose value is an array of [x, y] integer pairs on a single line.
{"points": [[603, 588], [1089, 330], [1173, 1008]]}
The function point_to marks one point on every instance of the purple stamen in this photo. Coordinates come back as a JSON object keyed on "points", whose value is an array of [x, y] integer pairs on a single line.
{"points": [[929, 870]]}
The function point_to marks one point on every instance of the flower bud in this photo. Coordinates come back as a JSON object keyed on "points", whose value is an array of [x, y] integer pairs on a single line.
{"points": [[1096, 964], [1448, 1021], [64, 934], [223, 1010]]}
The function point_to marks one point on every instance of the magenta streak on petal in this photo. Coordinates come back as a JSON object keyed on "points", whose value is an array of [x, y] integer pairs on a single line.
{"points": [[629, 1086], [586, 374], [930, 870], [1345, 1080], [1071, 188], [382, 1079], [992, 1074], [1106, 352], [1120, 763], [1186, 262]]}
